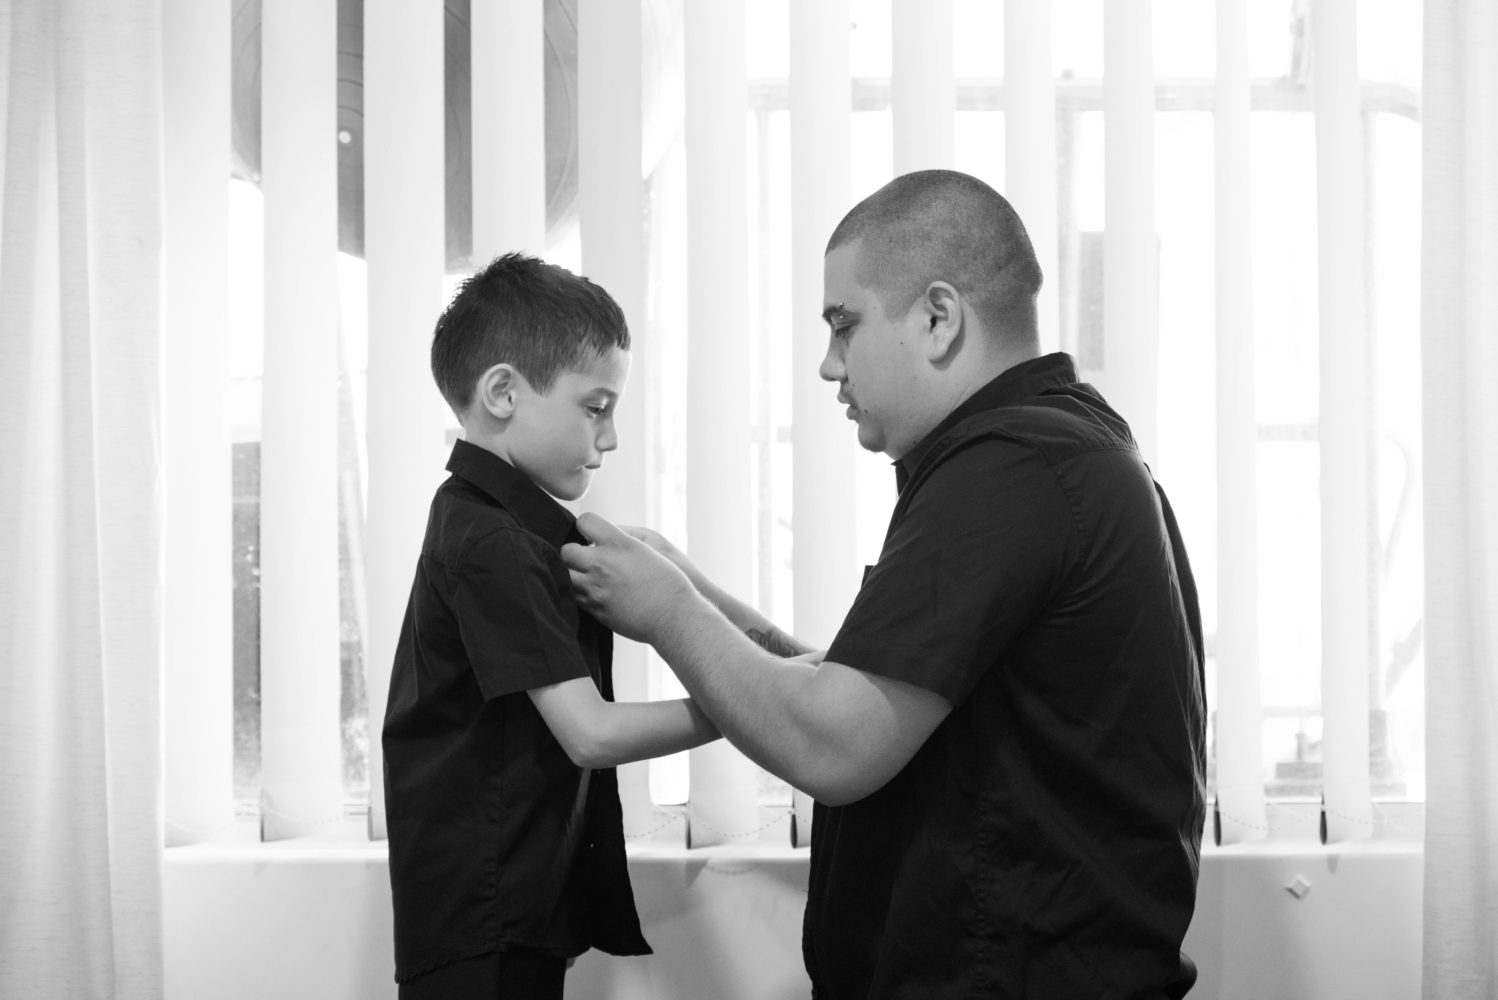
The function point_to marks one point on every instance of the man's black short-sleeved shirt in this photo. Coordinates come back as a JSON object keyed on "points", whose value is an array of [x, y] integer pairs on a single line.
{"points": [[497, 840], [1044, 842]]}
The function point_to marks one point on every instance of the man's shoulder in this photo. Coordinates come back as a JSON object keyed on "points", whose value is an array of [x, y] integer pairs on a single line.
{"points": [[1059, 424]]}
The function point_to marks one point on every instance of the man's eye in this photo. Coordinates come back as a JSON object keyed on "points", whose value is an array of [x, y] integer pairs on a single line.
{"points": [[843, 332]]}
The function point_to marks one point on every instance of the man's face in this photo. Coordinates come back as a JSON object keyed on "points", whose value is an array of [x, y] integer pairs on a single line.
{"points": [[559, 438], [872, 356]]}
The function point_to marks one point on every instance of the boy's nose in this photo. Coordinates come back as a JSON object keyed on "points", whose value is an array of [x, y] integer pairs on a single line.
{"points": [[608, 438]]}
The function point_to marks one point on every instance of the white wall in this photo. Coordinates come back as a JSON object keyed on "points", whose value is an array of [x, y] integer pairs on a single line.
{"points": [[291, 922]]}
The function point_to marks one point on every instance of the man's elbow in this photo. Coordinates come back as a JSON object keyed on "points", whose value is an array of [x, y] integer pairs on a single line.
{"points": [[842, 785]]}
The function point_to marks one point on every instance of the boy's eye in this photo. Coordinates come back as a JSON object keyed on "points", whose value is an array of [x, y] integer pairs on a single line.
{"points": [[597, 410]]}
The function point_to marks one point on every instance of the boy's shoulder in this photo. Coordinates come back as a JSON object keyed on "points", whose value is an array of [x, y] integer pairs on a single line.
{"points": [[465, 526]]}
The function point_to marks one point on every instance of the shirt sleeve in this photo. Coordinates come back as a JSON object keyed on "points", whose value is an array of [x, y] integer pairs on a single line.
{"points": [[516, 615], [984, 545]]}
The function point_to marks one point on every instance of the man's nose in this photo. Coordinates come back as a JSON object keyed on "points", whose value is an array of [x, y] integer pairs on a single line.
{"points": [[831, 369]]}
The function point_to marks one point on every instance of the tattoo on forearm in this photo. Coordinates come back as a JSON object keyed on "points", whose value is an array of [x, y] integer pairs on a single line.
{"points": [[775, 641]]}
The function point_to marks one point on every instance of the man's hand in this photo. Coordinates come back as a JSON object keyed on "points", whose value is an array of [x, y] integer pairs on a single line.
{"points": [[624, 582], [665, 547]]}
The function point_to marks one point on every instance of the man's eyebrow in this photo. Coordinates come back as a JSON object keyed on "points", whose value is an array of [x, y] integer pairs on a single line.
{"points": [[837, 311]]}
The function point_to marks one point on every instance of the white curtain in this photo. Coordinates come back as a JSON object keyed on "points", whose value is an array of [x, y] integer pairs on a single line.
{"points": [[1460, 363], [80, 528]]}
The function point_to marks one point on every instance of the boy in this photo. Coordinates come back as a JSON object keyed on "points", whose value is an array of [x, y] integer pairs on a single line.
{"points": [[501, 735]]}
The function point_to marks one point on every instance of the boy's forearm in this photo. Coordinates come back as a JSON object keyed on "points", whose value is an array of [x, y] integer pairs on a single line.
{"points": [[639, 730]]}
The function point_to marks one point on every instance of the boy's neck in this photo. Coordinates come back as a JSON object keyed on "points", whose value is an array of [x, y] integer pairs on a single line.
{"points": [[477, 433]]}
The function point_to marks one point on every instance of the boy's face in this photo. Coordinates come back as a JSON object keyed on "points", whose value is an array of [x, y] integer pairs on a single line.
{"points": [[559, 438]]}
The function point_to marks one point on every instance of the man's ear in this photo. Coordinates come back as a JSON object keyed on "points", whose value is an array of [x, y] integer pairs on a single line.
{"points": [[497, 390], [943, 311]]}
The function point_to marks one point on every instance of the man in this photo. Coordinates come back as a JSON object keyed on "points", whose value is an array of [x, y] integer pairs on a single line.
{"points": [[1005, 739]]}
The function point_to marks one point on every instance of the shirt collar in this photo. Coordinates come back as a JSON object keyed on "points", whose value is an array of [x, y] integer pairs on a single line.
{"points": [[1022, 381], [532, 506]]}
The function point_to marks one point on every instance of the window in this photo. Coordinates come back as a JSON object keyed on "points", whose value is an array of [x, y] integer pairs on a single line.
{"points": [[1286, 336]]}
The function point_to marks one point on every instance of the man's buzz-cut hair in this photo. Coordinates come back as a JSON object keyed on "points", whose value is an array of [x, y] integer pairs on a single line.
{"points": [[519, 310], [942, 225]]}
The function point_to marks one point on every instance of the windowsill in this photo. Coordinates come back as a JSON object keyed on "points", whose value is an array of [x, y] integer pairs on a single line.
{"points": [[1293, 829]]}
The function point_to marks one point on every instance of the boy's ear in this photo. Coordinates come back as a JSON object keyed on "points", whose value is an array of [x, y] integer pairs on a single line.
{"points": [[497, 390]]}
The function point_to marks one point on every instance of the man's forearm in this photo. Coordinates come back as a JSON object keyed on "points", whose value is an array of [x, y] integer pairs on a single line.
{"points": [[747, 619], [755, 697]]}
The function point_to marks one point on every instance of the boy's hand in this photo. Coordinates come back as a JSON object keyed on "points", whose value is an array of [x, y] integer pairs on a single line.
{"points": [[622, 581]]}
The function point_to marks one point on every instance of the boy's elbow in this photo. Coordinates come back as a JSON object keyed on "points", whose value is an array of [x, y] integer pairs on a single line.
{"points": [[586, 752], [593, 746], [579, 721]]}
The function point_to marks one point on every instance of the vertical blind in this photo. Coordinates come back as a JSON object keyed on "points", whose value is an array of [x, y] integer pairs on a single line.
{"points": [[405, 249], [1345, 420], [1240, 788], [824, 565], [724, 801], [198, 712], [1131, 272], [611, 210], [301, 762]]}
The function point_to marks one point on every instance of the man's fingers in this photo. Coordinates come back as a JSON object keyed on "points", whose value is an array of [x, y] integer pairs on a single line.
{"points": [[596, 528], [576, 557]]}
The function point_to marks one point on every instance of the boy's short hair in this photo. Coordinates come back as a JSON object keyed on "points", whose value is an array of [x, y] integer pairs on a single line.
{"points": [[522, 311]]}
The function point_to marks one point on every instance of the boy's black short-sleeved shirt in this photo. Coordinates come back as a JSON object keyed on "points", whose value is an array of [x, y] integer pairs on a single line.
{"points": [[497, 840], [1044, 841]]}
